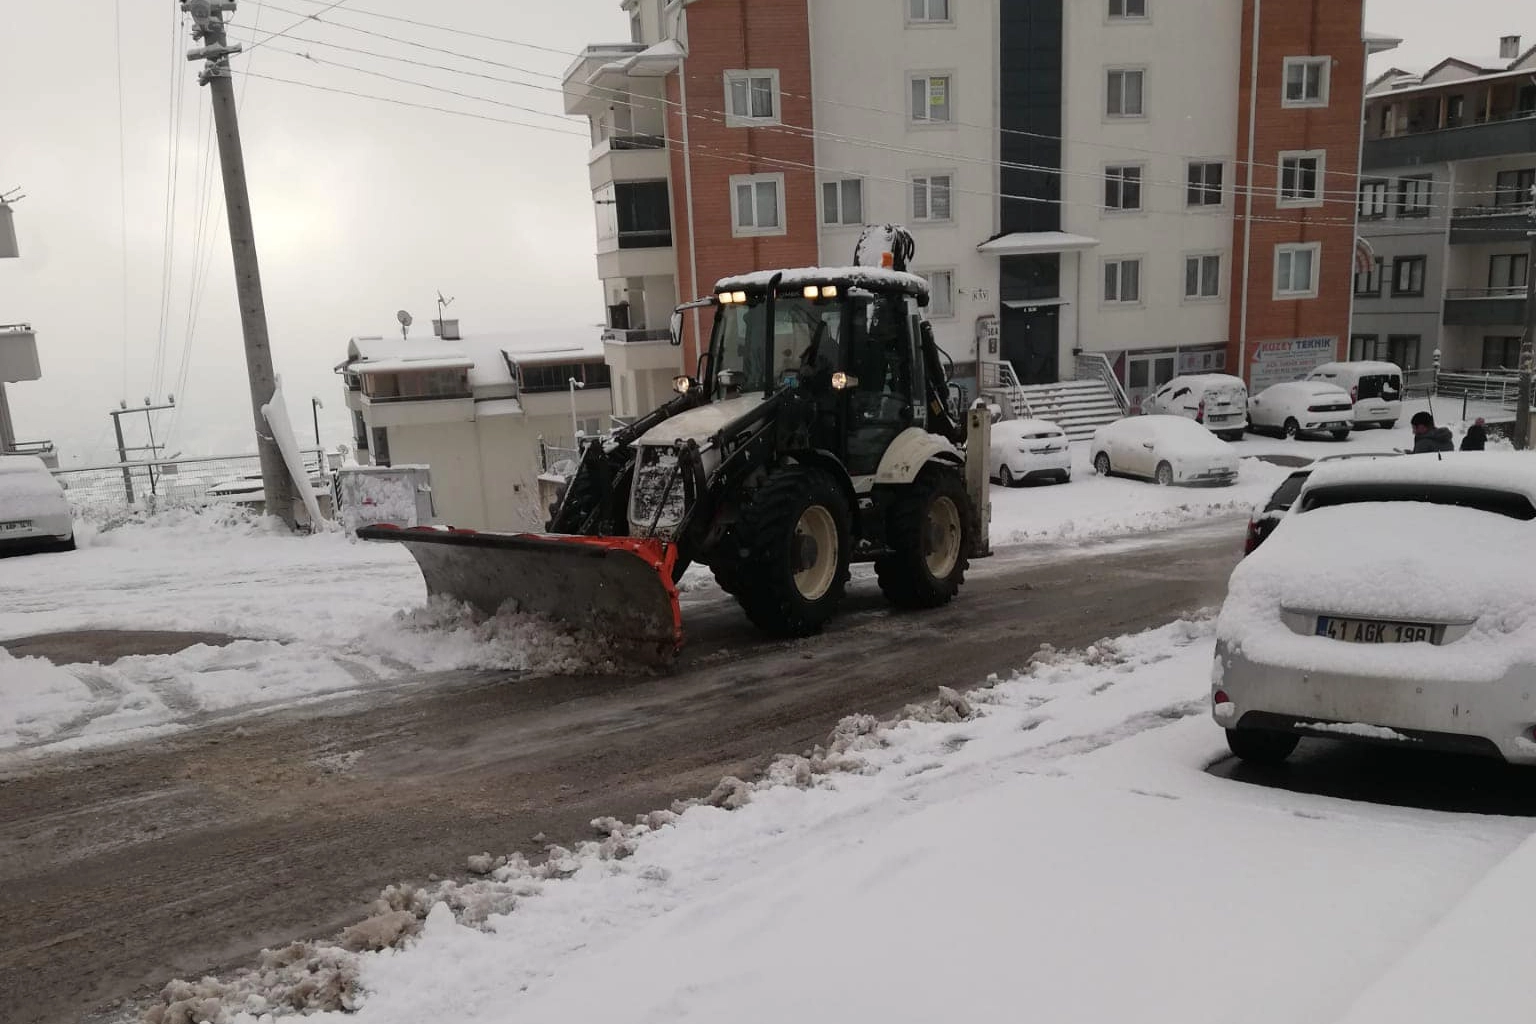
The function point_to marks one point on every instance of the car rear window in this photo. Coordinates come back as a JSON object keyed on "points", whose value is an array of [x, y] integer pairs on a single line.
{"points": [[1381, 385], [1483, 499], [1285, 495]]}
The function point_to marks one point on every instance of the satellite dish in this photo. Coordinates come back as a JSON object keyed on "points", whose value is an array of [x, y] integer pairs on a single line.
{"points": [[404, 318]]}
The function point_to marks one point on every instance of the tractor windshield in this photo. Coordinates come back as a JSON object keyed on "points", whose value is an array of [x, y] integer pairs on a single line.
{"points": [[807, 338]]}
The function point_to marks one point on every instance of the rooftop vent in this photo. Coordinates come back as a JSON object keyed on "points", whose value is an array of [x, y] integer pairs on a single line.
{"points": [[1509, 47], [448, 330]]}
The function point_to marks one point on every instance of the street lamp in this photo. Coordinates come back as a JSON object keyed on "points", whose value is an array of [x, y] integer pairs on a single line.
{"points": [[315, 405], [575, 428]]}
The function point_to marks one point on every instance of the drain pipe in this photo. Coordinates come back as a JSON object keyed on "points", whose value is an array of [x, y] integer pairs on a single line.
{"points": [[1253, 111]]}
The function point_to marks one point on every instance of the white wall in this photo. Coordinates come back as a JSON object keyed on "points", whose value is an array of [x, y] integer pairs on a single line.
{"points": [[861, 53], [1191, 52]]}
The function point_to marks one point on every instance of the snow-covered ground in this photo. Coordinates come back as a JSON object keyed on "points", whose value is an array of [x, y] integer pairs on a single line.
{"points": [[1050, 849]]}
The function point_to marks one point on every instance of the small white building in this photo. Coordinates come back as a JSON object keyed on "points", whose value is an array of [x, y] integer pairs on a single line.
{"points": [[478, 411]]}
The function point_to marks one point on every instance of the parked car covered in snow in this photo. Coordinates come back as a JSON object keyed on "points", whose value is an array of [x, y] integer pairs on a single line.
{"points": [[33, 513], [1167, 449], [1394, 603], [1027, 450], [1217, 400], [1375, 388], [1302, 407]]}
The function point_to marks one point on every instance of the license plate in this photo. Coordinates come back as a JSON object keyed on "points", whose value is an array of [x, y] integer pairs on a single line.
{"points": [[1374, 631], [16, 524], [1334, 426]]}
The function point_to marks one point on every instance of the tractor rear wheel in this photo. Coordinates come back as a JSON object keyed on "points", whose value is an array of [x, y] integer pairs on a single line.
{"points": [[793, 538], [928, 530]]}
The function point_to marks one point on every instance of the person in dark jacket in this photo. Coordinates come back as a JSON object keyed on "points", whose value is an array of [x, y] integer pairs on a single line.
{"points": [[1429, 438], [1476, 437]]}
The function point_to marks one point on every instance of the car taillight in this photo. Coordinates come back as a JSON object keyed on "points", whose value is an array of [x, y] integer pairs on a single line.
{"points": [[1253, 537], [1354, 393], [1200, 414]]}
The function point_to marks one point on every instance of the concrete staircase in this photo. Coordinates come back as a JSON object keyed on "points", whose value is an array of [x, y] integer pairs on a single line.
{"points": [[1076, 406]]}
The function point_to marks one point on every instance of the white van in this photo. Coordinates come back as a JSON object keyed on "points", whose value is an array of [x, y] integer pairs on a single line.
{"points": [[1217, 400], [1375, 388]]}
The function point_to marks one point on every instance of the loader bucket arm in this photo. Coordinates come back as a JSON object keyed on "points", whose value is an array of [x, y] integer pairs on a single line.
{"points": [[618, 587]]}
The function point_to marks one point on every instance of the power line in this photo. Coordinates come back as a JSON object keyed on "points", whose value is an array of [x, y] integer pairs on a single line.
{"points": [[122, 177], [307, 17]]}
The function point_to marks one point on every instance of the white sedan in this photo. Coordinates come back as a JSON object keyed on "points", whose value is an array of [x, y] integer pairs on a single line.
{"points": [[1167, 449], [1302, 407], [33, 513], [1394, 604], [1028, 450]]}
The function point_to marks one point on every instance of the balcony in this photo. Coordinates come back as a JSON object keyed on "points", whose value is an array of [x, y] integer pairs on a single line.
{"points": [[1484, 307], [623, 336], [620, 158], [1498, 134], [1477, 225]]}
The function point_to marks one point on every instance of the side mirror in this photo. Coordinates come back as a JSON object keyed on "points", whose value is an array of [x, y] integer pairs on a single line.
{"points": [[676, 327]]}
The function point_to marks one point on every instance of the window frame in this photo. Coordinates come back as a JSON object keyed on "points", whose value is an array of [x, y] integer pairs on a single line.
{"points": [[840, 184], [1368, 351], [913, 77], [927, 177], [1512, 259], [948, 19], [1119, 263], [1200, 296], [1394, 340], [1426, 194], [932, 311], [1516, 195], [733, 75], [1379, 267], [1291, 249], [1401, 262], [1504, 341], [738, 230], [1371, 213], [1111, 178], [1323, 64], [1125, 15], [1204, 186], [1109, 91], [1320, 177]]}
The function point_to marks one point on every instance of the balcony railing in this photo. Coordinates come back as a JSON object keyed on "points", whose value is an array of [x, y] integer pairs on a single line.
{"points": [[636, 141], [1481, 225], [455, 396], [1498, 210], [1484, 307], [1501, 135], [659, 239], [1512, 292], [637, 334]]}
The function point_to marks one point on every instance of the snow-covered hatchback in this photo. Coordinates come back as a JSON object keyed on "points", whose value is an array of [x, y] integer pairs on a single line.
{"points": [[1396, 602]]}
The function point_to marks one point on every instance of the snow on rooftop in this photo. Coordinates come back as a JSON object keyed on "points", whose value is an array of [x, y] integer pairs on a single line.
{"points": [[416, 364], [871, 277], [485, 355]]}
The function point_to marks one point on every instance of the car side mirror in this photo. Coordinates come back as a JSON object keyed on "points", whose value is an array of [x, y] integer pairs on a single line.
{"points": [[676, 327]]}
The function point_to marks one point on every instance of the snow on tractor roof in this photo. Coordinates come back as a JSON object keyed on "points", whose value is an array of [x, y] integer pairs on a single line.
{"points": [[873, 278]]}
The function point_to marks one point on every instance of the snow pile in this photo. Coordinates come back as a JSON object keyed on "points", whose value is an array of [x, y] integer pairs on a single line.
{"points": [[37, 699]]}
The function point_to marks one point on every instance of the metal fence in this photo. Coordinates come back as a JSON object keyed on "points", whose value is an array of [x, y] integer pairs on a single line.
{"points": [[103, 490]]}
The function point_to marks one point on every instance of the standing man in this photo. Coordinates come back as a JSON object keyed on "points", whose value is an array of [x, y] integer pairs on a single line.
{"points": [[1429, 438]]}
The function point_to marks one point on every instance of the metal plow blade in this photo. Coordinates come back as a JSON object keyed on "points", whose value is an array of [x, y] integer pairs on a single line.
{"points": [[614, 586]]}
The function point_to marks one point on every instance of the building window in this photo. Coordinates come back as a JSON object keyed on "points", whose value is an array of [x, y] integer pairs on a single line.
{"points": [[1301, 178], [842, 202], [1306, 81], [1122, 187], [1413, 196], [1507, 272], [636, 33], [1202, 277], [381, 446], [1403, 349], [643, 210], [931, 98], [1296, 270], [928, 12], [751, 97], [1122, 281], [550, 377], [1501, 352], [1408, 276], [1127, 9], [359, 431], [1373, 200], [1513, 188], [757, 206], [1368, 285], [1127, 93], [941, 290], [1362, 347], [931, 196], [1204, 184]]}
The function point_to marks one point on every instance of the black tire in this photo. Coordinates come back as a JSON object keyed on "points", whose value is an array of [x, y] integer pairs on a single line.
{"points": [[1163, 475], [1233, 435], [921, 570], [1340, 435], [1005, 477], [775, 533], [1389, 424], [1261, 746], [1101, 464], [67, 545], [1291, 428]]}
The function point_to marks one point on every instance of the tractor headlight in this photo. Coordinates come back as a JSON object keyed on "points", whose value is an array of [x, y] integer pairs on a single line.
{"points": [[842, 381], [738, 296], [682, 385], [811, 291], [829, 291]]}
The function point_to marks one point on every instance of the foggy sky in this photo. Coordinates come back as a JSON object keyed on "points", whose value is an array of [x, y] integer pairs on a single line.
{"points": [[361, 207]]}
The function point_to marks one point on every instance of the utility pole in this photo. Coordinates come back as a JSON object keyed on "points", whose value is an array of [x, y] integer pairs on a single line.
{"points": [[1528, 344], [208, 16]]}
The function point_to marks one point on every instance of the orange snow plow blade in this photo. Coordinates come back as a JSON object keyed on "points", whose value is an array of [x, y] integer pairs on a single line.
{"points": [[618, 587]]}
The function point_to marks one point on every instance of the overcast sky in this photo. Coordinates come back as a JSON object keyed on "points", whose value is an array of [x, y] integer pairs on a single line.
{"points": [[362, 207]]}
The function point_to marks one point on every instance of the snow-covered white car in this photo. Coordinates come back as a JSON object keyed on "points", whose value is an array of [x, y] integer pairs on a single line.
{"points": [[33, 513], [1167, 449], [1026, 450], [1376, 388], [1302, 407], [1217, 400], [1395, 602]]}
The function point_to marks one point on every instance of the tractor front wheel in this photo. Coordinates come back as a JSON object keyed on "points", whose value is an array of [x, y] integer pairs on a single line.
{"points": [[929, 534], [793, 538]]}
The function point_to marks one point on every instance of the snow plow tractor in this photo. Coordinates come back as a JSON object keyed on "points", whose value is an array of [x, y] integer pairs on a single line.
{"points": [[820, 428]]}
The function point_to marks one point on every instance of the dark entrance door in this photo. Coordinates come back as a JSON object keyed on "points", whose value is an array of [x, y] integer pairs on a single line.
{"points": [[1028, 337]]}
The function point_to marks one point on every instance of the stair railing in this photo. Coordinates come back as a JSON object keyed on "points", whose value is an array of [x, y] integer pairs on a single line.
{"points": [[1096, 366]]}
